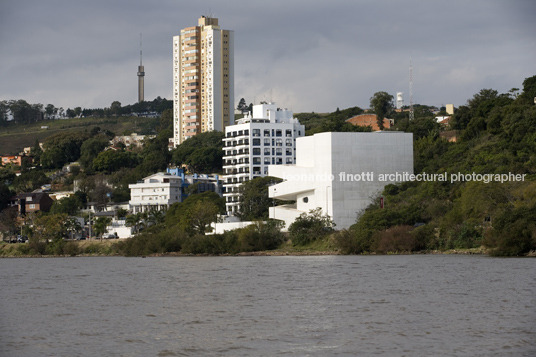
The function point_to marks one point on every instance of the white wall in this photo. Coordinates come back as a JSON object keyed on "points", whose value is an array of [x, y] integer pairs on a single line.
{"points": [[321, 159]]}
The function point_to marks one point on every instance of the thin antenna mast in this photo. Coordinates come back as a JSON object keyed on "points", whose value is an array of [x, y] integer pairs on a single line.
{"points": [[140, 49], [411, 112]]}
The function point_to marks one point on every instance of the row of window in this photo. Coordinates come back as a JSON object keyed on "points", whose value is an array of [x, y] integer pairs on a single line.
{"points": [[275, 132], [273, 151], [266, 132], [257, 169], [273, 142]]}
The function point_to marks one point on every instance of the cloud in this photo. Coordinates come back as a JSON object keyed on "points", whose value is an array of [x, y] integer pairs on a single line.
{"points": [[308, 55]]}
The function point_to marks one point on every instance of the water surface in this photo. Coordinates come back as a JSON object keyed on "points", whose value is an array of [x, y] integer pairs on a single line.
{"points": [[416, 305]]}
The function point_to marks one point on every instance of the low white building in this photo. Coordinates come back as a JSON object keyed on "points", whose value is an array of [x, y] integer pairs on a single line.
{"points": [[119, 229], [266, 137], [340, 173], [161, 190]]}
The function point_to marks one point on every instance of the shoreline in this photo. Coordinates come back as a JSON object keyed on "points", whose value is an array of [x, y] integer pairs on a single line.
{"points": [[11, 251]]}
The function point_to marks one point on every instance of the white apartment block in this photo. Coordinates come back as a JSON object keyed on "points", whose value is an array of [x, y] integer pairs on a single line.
{"points": [[341, 173], [265, 137], [203, 79], [161, 190]]}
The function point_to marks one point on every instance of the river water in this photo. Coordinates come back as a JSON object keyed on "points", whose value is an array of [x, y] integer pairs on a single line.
{"points": [[414, 305]]}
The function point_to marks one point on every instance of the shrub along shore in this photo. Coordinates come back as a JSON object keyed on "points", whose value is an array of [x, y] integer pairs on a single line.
{"points": [[98, 248]]}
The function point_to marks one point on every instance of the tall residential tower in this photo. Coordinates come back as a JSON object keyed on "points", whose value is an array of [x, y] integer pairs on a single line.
{"points": [[203, 79]]}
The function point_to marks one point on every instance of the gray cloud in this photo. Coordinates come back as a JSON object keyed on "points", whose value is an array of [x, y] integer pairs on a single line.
{"points": [[308, 55]]}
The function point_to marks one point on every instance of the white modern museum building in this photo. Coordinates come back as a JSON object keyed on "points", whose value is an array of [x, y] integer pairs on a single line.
{"points": [[341, 173]]}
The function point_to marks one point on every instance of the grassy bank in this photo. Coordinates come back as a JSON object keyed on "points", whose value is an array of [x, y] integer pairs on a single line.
{"points": [[325, 246]]}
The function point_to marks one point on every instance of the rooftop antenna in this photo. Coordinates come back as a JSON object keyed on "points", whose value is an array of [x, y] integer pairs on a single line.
{"points": [[411, 112]]}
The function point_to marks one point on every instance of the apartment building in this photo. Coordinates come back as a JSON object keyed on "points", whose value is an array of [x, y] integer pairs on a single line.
{"points": [[265, 137], [203, 79], [161, 190]]}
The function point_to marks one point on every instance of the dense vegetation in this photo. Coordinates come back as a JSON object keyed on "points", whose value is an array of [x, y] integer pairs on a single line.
{"points": [[496, 134]]}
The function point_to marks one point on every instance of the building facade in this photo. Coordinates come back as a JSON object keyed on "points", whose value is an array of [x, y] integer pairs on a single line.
{"points": [[341, 173], [266, 137], [203, 79], [161, 190]]}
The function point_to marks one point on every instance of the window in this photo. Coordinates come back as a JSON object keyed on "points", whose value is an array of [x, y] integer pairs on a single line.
{"points": [[288, 133], [289, 161], [279, 151], [267, 161], [266, 151], [256, 151], [278, 133], [305, 199], [256, 161], [288, 142], [288, 152], [256, 132], [256, 142], [279, 142], [266, 132], [266, 141]]}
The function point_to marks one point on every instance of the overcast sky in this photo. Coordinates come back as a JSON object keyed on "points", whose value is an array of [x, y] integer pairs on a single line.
{"points": [[306, 55]]}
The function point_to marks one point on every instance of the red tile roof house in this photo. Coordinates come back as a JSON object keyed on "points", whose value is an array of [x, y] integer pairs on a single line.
{"points": [[370, 120], [33, 202], [12, 159]]}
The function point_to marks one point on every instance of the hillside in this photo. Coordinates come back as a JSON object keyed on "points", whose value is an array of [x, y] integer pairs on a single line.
{"points": [[474, 206], [14, 137]]}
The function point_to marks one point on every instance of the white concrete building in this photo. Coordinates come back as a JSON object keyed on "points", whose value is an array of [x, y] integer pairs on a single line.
{"points": [[161, 190], [340, 173], [266, 137]]}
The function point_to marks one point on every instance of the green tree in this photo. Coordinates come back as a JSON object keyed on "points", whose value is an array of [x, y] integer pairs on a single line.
{"points": [[50, 110], [309, 227], [115, 108], [529, 91], [196, 212], [62, 148], [90, 150], [202, 153], [382, 103], [25, 113], [50, 227], [7, 175], [254, 200], [110, 160], [67, 205], [36, 153], [72, 226], [137, 220], [5, 195], [29, 181], [242, 106], [100, 226]]}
